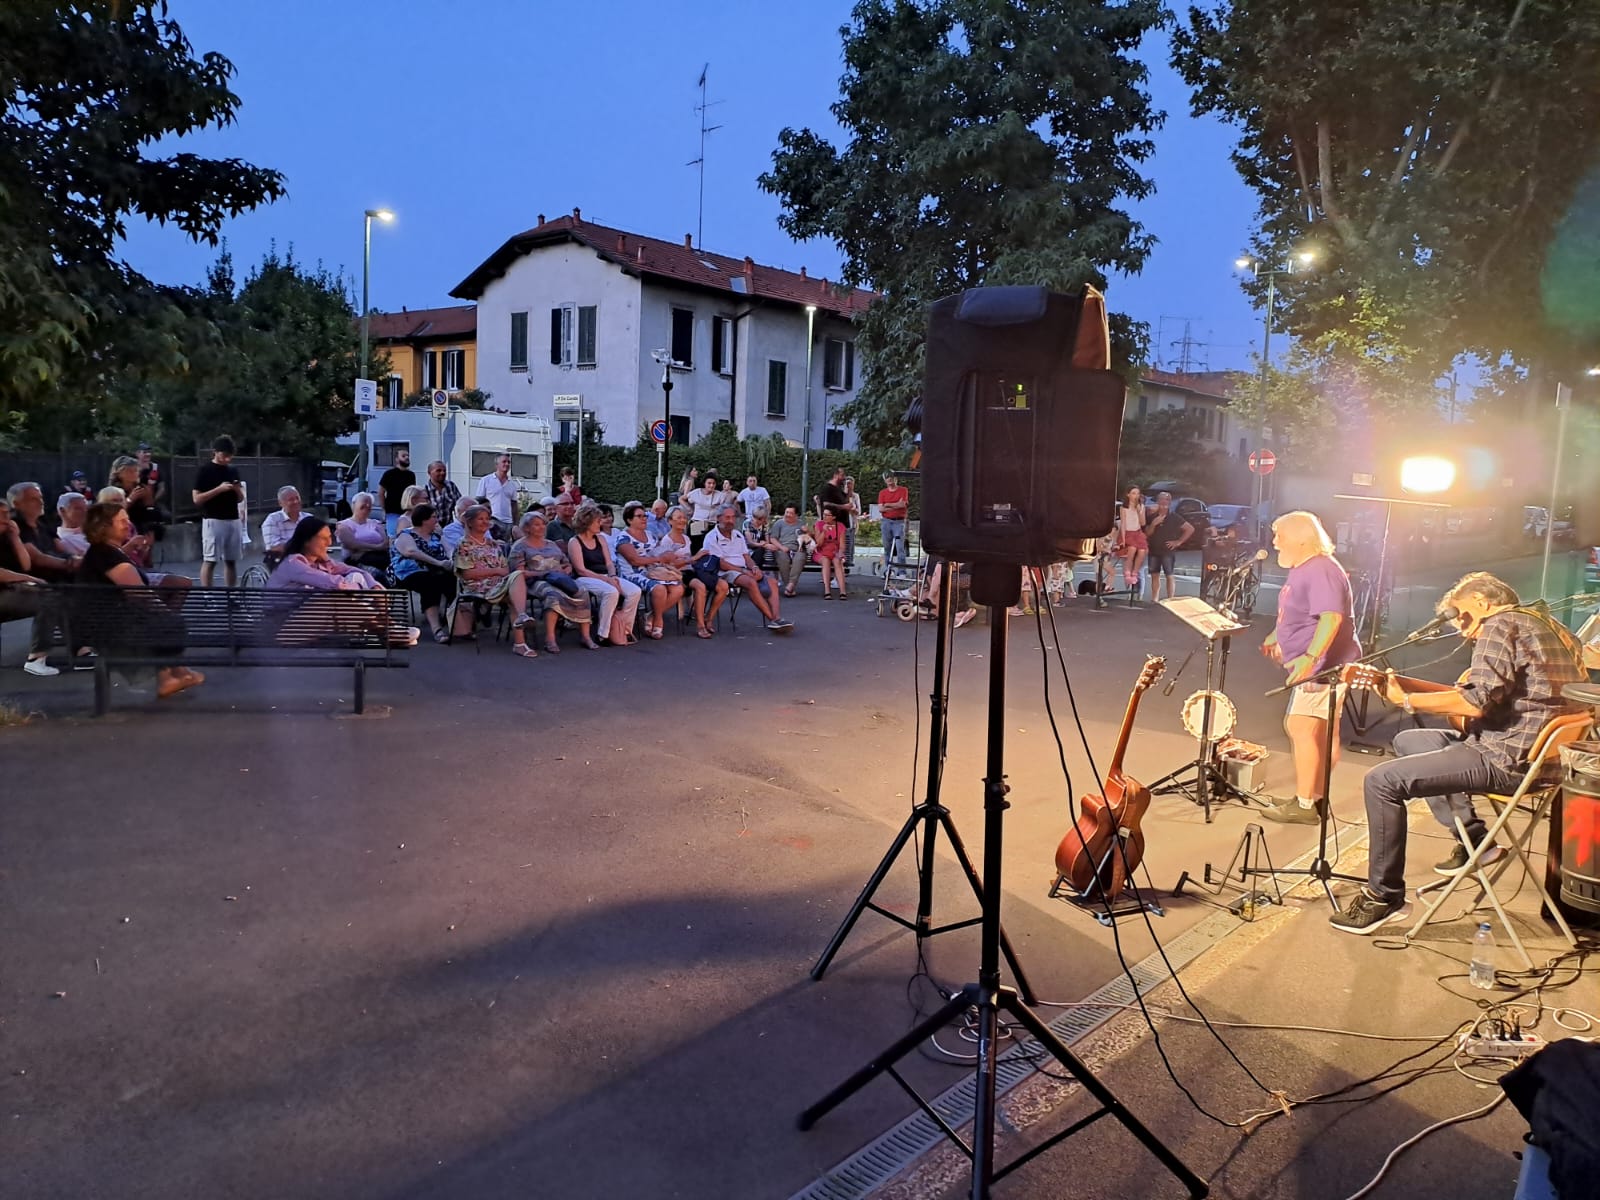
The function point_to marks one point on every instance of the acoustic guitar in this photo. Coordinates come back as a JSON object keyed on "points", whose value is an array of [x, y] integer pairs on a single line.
{"points": [[1365, 675], [1090, 857]]}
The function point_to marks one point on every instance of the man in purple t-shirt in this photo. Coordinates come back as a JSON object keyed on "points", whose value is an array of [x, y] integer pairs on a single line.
{"points": [[1314, 632]]}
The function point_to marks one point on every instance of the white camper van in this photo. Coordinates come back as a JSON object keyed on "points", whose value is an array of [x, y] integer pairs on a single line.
{"points": [[468, 442]]}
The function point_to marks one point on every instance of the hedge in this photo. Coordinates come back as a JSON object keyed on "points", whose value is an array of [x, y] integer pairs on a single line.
{"points": [[617, 474]]}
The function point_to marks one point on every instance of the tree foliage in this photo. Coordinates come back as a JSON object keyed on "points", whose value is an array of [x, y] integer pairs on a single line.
{"points": [[88, 90], [987, 142], [1166, 445], [1430, 152]]}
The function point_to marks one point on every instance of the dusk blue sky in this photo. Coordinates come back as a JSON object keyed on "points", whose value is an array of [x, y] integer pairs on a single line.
{"points": [[470, 119]]}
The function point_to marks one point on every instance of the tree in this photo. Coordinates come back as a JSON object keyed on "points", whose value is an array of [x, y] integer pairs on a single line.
{"points": [[989, 142], [1430, 152], [1166, 445], [88, 88]]}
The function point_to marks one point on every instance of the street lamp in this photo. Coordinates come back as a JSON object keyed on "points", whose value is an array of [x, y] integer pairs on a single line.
{"points": [[1304, 258], [383, 214], [805, 436]]}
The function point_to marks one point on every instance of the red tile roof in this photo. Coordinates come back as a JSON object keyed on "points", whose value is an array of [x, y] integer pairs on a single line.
{"points": [[676, 261], [459, 320], [1219, 384]]}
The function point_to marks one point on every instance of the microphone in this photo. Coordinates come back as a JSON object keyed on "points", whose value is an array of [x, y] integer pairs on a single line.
{"points": [[1446, 615], [1258, 556]]}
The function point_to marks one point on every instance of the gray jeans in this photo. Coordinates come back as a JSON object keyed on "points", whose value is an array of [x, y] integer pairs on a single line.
{"points": [[789, 565], [1436, 765], [892, 531]]}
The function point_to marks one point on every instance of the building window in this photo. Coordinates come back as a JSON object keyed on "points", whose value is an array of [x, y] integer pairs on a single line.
{"points": [[562, 320], [835, 439], [722, 345], [777, 388], [680, 430], [838, 365], [1144, 406], [519, 341], [588, 319], [394, 391], [430, 370], [683, 337], [453, 370]]}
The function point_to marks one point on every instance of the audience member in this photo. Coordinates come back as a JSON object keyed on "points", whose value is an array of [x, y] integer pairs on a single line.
{"points": [[144, 502], [569, 485], [456, 529], [553, 594], [702, 503], [894, 503], [560, 529], [419, 562], [24, 594], [409, 499], [676, 549], [218, 492], [656, 523], [392, 485], [499, 491], [278, 527], [753, 497], [79, 483], [485, 574], [365, 542], [442, 494], [788, 552], [306, 563], [595, 569], [728, 495], [854, 498], [138, 547], [829, 552], [656, 576], [70, 511], [757, 532], [739, 570], [27, 513]]}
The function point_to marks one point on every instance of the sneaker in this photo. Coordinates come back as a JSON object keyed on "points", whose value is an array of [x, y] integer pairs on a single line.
{"points": [[38, 666], [1366, 912], [779, 626], [1291, 812], [84, 662], [1458, 859]]}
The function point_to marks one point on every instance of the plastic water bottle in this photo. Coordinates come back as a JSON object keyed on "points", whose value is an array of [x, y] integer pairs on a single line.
{"points": [[1481, 972]]}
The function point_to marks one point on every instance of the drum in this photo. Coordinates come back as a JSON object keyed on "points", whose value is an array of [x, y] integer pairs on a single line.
{"points": [[1223, 715], [1579, 835]]}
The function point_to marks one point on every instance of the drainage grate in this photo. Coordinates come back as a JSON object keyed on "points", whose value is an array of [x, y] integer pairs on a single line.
{"points": [[887, 1156]]}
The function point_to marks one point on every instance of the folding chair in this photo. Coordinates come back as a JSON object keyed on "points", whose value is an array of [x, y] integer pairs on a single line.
{"points": [[1557, 733]]}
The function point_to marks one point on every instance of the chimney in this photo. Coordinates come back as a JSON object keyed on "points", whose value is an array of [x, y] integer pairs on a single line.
{"points": [[541, 218], [688, 241], [622, 243], [749, 267], [577, 214], [802, 272], [641, 255]]}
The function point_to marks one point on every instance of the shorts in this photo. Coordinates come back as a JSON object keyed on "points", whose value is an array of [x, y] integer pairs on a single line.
{"points": [[1162, 562], [1311, 700], [731, 575], [221, 540]]}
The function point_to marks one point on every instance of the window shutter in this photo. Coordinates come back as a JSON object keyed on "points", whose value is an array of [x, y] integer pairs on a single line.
{"points": [[849, 365], [519, 341], [555, 337], [777, 388], [718, 348]]}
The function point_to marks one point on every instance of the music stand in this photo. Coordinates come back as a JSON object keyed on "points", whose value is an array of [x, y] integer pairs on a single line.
{"points": [[1208, 779]]}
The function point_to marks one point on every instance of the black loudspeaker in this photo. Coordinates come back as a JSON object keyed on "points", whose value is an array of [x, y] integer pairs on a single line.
{"points": [[1021, 426]]}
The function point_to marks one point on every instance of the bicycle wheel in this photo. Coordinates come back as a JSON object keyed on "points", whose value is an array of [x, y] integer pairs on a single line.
{"points": [[255, 576]]}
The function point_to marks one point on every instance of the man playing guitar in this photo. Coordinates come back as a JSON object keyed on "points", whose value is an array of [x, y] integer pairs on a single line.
{"points": [[1520, 662]]}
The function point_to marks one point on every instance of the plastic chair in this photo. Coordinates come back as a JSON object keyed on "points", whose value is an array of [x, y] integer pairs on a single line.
{"points": [[1557, 733]]}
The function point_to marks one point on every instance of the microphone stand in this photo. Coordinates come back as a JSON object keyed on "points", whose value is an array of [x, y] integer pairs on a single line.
{"points": [[1321, 869]]}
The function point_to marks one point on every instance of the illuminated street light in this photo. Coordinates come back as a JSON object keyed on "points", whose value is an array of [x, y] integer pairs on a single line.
{"points": [[1427, 474], [384, 215]]}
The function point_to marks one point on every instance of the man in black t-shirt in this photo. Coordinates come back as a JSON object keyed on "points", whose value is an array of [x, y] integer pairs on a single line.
{"points": [[217, 492], [392, 488], [26, 501], [23, 594]]}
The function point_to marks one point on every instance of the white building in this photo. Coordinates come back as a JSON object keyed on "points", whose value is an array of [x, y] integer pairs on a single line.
{"points": [[1203, 394], [570, 308]]}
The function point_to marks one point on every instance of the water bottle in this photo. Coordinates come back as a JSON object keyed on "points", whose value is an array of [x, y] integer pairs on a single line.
{"points": [[1481, 972]]}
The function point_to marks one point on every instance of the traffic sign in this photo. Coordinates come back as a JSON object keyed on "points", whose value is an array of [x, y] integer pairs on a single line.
{"points": [[366, 398], [441, 403], [1262, 462], [658, 433]]}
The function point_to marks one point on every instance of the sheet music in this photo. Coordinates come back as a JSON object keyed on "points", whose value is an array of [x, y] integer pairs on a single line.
{"points": [[1201, 617]]}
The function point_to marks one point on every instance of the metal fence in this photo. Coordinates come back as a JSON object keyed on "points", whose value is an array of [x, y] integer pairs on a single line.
{"points": [[262, 476]]}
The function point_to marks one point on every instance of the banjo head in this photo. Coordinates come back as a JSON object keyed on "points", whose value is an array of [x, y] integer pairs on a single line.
{"points": [[1223, 715]]}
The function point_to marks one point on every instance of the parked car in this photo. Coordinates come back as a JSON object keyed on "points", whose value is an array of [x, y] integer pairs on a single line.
{"points": [[1224, 517], [1536, 517]]}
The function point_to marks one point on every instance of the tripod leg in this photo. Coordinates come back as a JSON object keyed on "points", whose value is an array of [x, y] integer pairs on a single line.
{"points": [[956, 844], [865, 898], [886, 1059], [984, 1102], [1059, 1050]]}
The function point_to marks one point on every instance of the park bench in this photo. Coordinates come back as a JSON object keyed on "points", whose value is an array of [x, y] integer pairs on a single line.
{"points": [[234, 627]]}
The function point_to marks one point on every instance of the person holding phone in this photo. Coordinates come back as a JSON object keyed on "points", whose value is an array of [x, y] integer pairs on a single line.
{"points": [[218, 490]]}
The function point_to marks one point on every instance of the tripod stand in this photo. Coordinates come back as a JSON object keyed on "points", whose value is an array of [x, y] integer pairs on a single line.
{"points": [[1208, 782], [998, 588], [929, 817]]}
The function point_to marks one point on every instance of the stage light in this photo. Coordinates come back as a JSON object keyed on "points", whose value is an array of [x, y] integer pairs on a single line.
{"points": [[1427, 474]]}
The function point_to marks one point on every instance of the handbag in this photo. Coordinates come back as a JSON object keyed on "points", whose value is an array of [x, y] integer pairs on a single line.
{"points": [[708, 570], [561, 582]]}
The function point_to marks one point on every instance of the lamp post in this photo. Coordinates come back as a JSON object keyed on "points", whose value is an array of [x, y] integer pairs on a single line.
{"points": [[383, 214], [805, 434], [1563, 403], [1304, 258]]}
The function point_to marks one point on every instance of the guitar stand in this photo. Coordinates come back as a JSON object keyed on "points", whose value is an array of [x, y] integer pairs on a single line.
{"points": [[1246, 860], [1091, 900], [998, 588], [928, 817]]}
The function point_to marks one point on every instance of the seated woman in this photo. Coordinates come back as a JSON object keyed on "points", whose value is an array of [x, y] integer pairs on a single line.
{"points": [[483, 573], [365, 540], [419, 562], [674, 548], [595, 569], [830, 554], [552, 593], [145, 623], [656, 576], [307, 567], [409, 499]]}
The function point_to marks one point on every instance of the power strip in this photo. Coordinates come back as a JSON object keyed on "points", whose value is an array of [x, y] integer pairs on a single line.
{"points": [[1502, 1047]]}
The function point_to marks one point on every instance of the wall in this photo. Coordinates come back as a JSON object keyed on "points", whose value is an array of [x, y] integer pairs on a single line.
{"points": [[567, 273]]}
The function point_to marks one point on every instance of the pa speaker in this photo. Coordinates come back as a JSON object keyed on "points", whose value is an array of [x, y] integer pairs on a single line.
{"points": [[1021, 426]]}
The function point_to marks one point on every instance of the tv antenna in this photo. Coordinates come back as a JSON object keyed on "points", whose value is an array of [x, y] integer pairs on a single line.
{"points": [[700, 222]]}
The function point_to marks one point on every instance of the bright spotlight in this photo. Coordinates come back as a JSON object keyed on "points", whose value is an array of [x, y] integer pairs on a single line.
{"points": [[1306, 257], [1427, 474], [1242, 263]]}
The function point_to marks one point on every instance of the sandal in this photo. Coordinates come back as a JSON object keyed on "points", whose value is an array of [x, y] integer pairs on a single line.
{"points": [[550, 647], [441, 636], [590, 644], [523, 650], [703, 633]]}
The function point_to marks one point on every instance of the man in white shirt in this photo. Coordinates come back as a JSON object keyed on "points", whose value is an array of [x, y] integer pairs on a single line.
{"points": [[70, 508], [499, 491], [754, 497], [278, 527], [738, 569]]}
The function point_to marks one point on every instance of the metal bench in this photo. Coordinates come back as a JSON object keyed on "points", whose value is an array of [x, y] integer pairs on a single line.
{"points": [[233, 627]]}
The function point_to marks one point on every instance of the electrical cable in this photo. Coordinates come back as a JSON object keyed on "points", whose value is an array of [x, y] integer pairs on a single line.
{"points": [[1388, 1162]]}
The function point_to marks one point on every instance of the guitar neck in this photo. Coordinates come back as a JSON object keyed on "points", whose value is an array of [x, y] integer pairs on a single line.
{"points": [[1428, 685], [1122, 738]]}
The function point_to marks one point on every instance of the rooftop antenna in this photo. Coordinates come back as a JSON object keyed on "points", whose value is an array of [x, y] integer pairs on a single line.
{"points": [[700, 223]]}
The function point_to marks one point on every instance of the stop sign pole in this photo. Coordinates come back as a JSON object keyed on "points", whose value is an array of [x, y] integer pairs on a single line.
{"points": [[1262, 464]]}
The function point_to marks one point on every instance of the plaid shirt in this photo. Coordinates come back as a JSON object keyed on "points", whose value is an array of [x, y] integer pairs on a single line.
{"points": [[1520, 663], [444, 500]]}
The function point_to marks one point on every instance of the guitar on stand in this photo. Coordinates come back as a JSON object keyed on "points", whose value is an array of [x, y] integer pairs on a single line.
{"points": [[1100, 852]]}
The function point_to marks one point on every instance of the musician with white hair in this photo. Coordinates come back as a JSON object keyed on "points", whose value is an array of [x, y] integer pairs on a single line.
{"points": [[1315, 631]]}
